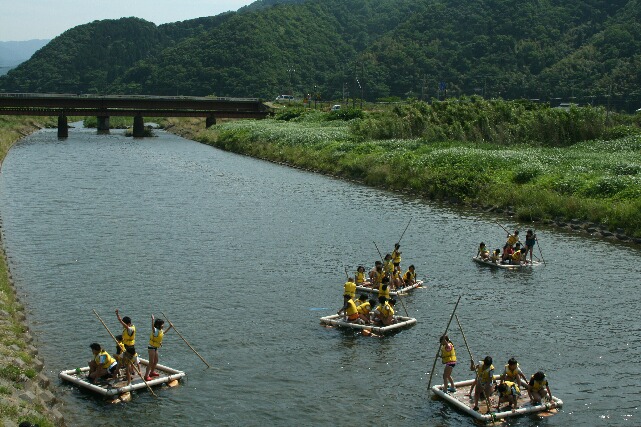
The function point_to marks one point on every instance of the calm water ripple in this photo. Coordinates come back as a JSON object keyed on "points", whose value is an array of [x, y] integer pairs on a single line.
{"points": [[245, 256]]}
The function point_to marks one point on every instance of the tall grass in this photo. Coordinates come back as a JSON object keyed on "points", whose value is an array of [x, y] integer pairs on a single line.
{"points": [[478, 120], [568, 176]]}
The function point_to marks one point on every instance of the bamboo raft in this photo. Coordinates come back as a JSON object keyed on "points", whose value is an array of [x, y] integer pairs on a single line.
{"points": [[403, 291], [505, 266], [339, 321], [117, 387], [460, 400]]}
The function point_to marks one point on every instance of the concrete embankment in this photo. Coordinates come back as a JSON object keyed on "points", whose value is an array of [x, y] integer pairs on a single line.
{"points": [[25, 390]]}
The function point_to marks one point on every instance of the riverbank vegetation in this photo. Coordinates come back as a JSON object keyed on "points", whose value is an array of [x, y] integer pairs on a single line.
{"points": [[18, 364], [539, 162], [14, 128]]}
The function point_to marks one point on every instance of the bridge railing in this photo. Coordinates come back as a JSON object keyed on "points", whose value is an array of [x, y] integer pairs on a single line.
{"points": [[142, 97]]}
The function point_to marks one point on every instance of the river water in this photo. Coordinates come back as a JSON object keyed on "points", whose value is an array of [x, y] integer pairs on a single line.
{"points": [[245, 256]]}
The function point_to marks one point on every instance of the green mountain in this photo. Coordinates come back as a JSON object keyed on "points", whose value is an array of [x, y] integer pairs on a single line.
{"points": [[585, 49]]}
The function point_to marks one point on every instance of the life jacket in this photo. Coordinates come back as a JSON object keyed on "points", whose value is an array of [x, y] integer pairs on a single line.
{"points": [[483, 250], [128, 359], [108, 359], [360, 277], [516, 256], [388, 267], [409, 276], [387, 310], [378, 276], [384, 293], [156, 340], [351, 308], [351, 312], [448, 356], [364, 308], [350, 289], [484, 374], [511, 390], [120, 347], [512, 239], [514, 375], [129, 340], [396, 257], [537, 385]]}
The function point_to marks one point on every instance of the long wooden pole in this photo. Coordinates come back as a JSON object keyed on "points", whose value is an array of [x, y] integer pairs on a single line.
{"points": [[401, 238], [539, 245], [487, 399], [183, 338], [397, 293], [126, 367], [438, 352], [464, 340], [505, 229]]}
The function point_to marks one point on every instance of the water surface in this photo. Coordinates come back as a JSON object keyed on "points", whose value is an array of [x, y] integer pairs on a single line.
{"points": [[245, 256]]}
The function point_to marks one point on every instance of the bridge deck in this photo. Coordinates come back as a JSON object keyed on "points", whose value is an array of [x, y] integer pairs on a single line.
{"points": [[130, 105]]}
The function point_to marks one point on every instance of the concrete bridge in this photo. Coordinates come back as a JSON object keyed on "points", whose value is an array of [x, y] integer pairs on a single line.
{"points": [[136, 106]]}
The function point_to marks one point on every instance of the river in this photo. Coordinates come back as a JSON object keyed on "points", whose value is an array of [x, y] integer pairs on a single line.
{"points": [[245, 256]]}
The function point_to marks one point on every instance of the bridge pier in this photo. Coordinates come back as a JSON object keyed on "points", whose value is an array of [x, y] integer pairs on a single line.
{"points": [[63, 127], [103, 123], [139, 126], [210, 121]]}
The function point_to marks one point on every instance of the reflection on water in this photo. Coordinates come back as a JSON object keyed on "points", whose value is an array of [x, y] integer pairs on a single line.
{"points": [[246, 256]]}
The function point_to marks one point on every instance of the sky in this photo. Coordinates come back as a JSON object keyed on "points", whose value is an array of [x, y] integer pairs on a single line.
{"points": [[45, 19]]}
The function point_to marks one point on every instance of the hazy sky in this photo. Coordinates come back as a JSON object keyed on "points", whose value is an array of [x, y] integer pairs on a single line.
{"points": [[46, 19]]}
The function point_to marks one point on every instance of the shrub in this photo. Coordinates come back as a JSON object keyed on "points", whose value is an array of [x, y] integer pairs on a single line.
{"points": [[289, 114], [346, 114], [606, 186], [526, 174], [621, 131]]}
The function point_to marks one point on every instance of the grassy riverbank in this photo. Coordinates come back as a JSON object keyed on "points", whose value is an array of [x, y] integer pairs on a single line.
{"points": [[540, 163], [22, 389]]}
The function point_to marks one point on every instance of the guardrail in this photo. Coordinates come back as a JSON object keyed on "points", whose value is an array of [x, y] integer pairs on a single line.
{"points": [[150, 97]]}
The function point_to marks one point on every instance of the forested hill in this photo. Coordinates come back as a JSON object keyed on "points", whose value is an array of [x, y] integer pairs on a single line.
{"points": [[380, 48]]}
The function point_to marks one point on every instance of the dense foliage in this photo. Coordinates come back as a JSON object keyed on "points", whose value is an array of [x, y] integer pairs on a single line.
{"points": [[478, 120], [596, 180], [586, 50]]}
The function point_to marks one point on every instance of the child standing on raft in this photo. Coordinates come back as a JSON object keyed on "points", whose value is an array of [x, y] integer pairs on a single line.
{"points": [[530, 241], [155, 341], [448, 357], [484, 376]]}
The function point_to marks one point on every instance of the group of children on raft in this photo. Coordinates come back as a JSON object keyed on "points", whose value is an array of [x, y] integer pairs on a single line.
{"points": [[513, 252], [386, 277], [509, 386], [104, 365]]}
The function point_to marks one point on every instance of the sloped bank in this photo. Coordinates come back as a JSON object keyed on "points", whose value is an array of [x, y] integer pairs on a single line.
{"points": [[24, 388], [591, 187]]}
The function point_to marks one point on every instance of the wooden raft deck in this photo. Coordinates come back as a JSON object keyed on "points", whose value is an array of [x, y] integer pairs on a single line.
{"points": [[505, 266], [403, 291], [117, 387], [339, 321], [460, 400]]}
